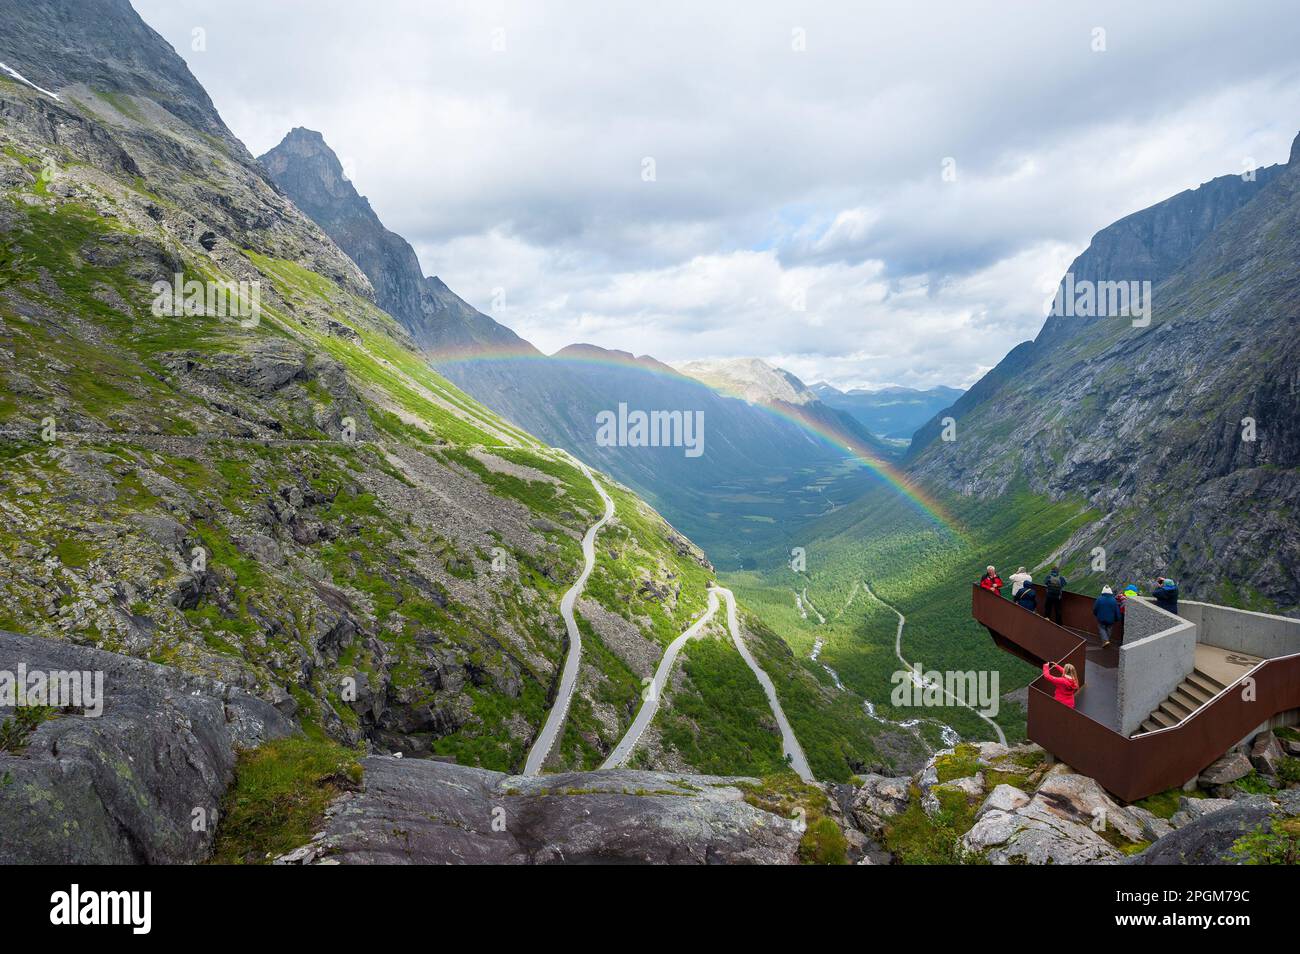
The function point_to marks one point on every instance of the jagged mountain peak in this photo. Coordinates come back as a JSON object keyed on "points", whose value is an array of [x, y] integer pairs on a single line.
{"points": [[305, 167], [305, 152]]}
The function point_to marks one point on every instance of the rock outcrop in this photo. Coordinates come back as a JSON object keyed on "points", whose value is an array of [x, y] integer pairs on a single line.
{"points": [[139, 783], [1020, 809], [421, 812], [1208, 838]]}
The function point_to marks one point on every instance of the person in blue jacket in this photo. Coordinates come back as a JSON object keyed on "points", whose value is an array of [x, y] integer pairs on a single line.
{"points": [[1028, 598], [1166, 594], [1106, 610]]}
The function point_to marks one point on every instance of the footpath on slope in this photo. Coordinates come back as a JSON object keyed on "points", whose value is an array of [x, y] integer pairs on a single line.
{"points": [[569, 677]]}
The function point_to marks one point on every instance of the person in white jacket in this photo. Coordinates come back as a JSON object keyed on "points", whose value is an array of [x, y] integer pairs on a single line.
{"points": [[1019, 579]]}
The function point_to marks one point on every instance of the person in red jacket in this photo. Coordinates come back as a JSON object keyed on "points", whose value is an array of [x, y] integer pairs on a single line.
{"points": [[991, 581], [1067, 683]]}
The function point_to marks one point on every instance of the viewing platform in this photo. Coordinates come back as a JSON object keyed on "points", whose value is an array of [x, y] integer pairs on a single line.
{"points": [[1170, 695]]}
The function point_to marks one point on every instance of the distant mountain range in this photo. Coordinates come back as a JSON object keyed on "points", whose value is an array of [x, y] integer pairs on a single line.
{"points": [[767, 437], [892, 412]]}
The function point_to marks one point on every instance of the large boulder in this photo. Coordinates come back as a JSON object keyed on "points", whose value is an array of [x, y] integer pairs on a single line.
{"points": [[420, 812], [1035, 836], [1153, 826], [1061, 823], [1227, 769], [1003, 798], [1266, 754], [1208, 839], [130, 784], [1190, 809]]}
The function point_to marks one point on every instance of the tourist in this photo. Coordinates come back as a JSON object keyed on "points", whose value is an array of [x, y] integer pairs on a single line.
{"points": [[1067, 683], [1054, 587], [1106, 611], [1028, 598], [1166, 594], [1019, 579], [991, 581]]}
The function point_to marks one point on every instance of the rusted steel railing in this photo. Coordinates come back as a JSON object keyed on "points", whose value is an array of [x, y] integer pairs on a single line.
{"points": [[1132, 768]]}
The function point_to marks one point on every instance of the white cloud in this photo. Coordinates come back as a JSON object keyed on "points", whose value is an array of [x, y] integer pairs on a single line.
{"points": [[778, 171]]}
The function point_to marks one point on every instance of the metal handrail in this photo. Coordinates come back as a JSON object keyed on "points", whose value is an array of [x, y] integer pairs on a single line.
{"points": [[1137, 766]]}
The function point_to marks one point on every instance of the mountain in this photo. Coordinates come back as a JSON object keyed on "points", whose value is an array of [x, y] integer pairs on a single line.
{"points": [[891, 412], [750, 379], [763, 460], [233, 481], [1183, 435], [112, 52], [264, 483], [439, 321]]}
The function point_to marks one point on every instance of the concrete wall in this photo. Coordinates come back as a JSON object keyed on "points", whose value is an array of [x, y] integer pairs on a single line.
{"points": [[1258, 634], [1158, 652]]}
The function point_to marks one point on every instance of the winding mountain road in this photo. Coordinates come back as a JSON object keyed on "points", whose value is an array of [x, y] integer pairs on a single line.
{"points": [[569, 677], [790, 746], [650, 706]]}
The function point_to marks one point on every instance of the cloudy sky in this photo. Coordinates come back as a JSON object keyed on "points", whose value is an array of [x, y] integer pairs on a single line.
{"points": [[867, 193]]}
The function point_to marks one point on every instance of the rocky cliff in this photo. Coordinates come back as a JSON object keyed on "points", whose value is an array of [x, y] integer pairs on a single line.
{"points": [[1183, 432], [440, 321]]}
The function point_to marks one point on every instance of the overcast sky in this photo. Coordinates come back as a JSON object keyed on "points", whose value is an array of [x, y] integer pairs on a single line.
{"points": [[798, 208]]}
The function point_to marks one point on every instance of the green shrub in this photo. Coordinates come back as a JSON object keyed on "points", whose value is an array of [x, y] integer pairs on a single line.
{"points": [[915, 838], [16, 731], [963, 762], [823, 844], [1288, 770], [1274, 843], [1253, 784], [279, 796]]}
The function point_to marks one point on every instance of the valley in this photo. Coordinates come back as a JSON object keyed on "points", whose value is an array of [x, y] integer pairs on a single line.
{"points": [[371, 572]]}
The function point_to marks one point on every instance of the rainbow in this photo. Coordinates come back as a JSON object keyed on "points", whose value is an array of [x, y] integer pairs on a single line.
{"points": [[859, 453]]}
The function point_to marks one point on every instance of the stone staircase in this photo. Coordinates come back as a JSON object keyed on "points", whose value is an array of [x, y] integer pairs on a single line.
{"points": [[1192, 693]]}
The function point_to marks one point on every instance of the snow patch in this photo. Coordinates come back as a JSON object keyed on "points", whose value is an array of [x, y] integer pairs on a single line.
{"points": [[23, 79]]}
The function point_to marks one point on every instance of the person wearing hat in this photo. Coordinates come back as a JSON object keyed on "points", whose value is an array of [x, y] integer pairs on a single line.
{"points": [[1166, 594], [1106, 610]]}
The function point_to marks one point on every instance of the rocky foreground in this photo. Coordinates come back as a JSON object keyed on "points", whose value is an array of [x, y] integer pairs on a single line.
{"points": [[148, 779], [424, 812], [1003, 805]]}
